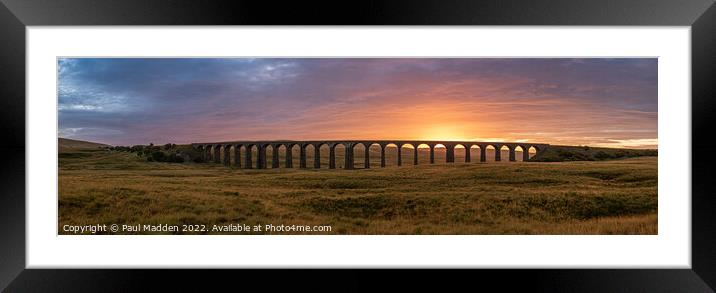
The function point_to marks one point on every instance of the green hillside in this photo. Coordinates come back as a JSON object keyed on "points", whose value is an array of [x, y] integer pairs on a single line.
{"points": [[68, 145], [557, 153]]}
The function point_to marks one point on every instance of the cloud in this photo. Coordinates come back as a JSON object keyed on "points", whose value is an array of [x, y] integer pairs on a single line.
{"points": [[185, 100], [630, 143]]}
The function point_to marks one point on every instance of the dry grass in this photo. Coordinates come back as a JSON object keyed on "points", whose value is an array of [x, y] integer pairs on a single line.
{"points": [[606, 197]]}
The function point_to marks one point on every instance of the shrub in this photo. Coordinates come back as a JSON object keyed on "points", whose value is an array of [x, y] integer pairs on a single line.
{"points": [[170, 152], [174, 158], [136, 148], [600, 155], [178, 159], [158, 156], [572, 156]]}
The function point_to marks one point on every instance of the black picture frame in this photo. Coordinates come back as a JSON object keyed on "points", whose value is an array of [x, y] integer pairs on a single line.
{"points": [[16, 15]]}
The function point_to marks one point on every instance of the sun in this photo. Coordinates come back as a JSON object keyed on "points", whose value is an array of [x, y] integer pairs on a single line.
{"points": [[444, 132]]}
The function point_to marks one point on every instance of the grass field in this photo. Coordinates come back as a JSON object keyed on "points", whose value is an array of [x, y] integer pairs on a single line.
{"points": [[596, 197]]}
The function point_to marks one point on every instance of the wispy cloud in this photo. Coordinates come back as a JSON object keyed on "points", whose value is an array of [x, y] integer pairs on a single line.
{"points": [[633, 143], [566, 101]]}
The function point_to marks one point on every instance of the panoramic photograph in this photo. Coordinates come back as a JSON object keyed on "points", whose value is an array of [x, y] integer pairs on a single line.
{"points": [[357, 146]]}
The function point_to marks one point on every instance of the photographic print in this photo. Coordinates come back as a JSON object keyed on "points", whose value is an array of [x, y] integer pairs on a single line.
{"points": [[116, 116], [366, 146]]}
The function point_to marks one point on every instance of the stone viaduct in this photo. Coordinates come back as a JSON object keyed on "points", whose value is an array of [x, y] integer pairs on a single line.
{"points": [[213, 151]]}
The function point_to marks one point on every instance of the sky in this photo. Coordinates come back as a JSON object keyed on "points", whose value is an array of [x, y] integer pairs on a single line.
{"points": [[584, 101]]}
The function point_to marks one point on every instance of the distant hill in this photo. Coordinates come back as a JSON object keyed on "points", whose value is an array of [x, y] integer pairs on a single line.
{"points": [[66, 144], [558, 153]]}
